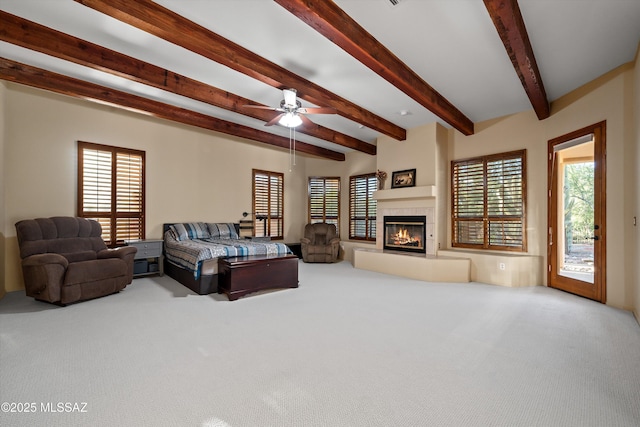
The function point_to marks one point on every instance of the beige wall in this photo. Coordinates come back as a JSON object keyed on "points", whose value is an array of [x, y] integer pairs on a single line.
{"points": [[2, 187], [194, 174], [416, 152], [356, 163], [634, 180], [191, 174], [603, 99], [509, 133]]}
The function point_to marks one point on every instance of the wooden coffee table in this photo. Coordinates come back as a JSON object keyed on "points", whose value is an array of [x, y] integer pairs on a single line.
{"points": [[242, 275]]}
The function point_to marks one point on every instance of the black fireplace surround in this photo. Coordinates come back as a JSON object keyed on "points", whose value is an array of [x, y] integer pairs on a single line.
{"points": [[405, 233]]}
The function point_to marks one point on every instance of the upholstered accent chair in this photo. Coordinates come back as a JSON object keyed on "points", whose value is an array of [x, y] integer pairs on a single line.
{"points": [[65, 260], [320, 243]]}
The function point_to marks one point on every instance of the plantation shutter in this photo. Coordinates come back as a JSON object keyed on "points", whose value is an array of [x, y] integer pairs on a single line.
{"points": [[362, 207], [268, 204], [129, 201], [324, 200], [488, 202], [505, 202], [111, 190], [468, 202]]}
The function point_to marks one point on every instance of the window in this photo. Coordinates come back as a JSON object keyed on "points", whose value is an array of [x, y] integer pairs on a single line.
{"points": [[488, 202], [324, 200], [111, 190], [268, 204], [362, 207]]}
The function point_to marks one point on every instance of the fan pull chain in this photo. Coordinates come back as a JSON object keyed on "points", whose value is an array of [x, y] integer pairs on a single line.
{"points": [[292, 148], [290, 161]]}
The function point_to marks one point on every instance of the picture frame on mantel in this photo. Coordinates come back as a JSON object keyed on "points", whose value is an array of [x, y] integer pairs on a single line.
{"points": [[405, 178]]}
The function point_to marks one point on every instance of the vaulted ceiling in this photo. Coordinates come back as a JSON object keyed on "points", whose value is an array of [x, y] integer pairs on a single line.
{"points": [[384, 66]]}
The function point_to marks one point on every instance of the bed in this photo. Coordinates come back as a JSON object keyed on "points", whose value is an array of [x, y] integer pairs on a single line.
{"points": [[192, 250]]}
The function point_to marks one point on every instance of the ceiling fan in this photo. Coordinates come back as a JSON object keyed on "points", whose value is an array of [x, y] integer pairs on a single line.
{"points": [[292, 114]]}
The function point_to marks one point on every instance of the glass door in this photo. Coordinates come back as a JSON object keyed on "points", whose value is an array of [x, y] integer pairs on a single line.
{"points": [[576, 213]]}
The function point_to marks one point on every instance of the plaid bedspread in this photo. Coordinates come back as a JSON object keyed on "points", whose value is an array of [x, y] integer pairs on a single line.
{"points": [[191, 253]]}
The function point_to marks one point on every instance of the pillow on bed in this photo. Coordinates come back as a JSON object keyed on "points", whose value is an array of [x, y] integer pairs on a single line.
{"points": [[190, 230], [222, 230]]}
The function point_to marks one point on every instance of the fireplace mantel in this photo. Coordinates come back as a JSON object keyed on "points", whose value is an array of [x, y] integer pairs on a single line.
{"points": [[407, 193]]}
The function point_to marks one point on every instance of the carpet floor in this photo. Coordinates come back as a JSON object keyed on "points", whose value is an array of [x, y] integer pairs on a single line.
{"points": [[347, 348]]}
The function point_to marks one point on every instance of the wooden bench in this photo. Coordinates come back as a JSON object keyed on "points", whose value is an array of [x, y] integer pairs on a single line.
{"points": [[242, 275]]}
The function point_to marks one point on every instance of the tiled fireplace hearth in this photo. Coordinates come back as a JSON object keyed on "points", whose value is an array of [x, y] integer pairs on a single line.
{"points": [[434, 264]]}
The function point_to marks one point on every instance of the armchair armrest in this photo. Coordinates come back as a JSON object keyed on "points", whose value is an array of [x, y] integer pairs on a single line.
{"points": [[335, 248], [45, 259], [43, 275], [125, 253], [305, 240], [121, 252]]}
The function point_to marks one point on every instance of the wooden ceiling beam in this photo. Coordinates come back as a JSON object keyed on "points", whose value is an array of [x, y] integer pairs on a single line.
{"points": [[31, 35], [333, 23], [31, 76], [168, 25], [507, 18]]}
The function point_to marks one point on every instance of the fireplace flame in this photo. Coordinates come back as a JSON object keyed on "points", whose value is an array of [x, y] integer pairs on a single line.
{"points": [[402, 237]]}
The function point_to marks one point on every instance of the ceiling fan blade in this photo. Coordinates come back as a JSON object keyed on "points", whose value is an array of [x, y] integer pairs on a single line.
{"points": [[308, 124], [261, 107], [274, 120], [319, 110]]}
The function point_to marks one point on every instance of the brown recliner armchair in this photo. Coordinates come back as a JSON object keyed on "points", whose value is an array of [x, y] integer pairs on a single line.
{"points": [[65, 260], [320, 243]]}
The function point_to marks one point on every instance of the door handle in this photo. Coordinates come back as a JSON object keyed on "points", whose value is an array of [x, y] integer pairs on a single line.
{"points": [[594, 238]]}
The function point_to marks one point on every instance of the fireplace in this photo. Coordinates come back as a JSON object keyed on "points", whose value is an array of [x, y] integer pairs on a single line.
{"points": [[405, 233]]}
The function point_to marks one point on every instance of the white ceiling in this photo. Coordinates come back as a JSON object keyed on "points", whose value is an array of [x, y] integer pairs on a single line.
{"points": [[451, 44]]}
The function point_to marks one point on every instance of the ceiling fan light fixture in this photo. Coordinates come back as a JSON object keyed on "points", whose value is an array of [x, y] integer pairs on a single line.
{"points": [[290, 97], [290, 120]]}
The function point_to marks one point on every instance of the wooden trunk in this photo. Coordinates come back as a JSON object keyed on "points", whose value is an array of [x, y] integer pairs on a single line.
{"points": [[242, 275]]}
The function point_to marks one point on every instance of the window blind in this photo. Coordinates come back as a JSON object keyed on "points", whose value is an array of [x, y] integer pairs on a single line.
{"points": [[362, 207], [268, 204], [111, 190], [324, 200], [129, 200], [488, 202]]}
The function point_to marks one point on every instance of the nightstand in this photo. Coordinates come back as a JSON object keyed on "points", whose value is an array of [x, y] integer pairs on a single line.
{"points": [[259, 239], [296, 248], [148, 259]]}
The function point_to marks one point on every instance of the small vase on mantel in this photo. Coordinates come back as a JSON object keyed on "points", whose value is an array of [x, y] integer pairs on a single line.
{"points": [[382, 177]]}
